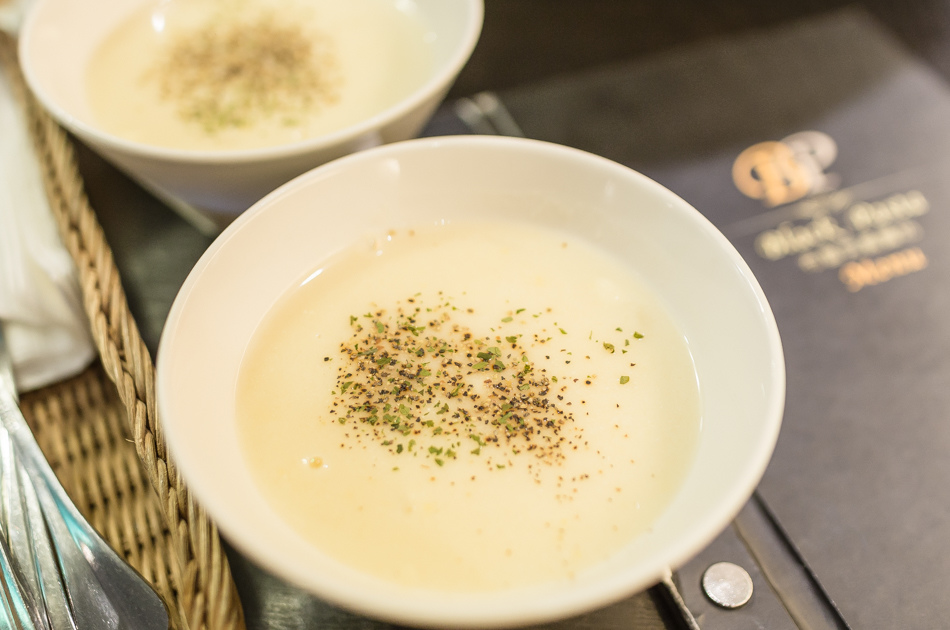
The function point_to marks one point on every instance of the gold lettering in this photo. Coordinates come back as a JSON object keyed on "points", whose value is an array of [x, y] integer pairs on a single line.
{"points": [[868, 272], [788, 239], [895, 208], [848, 247], [771, 246]]}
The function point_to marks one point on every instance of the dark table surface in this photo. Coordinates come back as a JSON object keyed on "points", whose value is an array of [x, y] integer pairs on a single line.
{"points": [[526, 42]]}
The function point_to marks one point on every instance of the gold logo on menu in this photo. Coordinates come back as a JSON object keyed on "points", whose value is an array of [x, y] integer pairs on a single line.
{"points": [[868, 241], [788, 170]]}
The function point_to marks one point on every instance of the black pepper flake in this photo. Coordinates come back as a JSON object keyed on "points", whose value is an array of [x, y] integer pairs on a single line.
{"points": [[387, 387], [231, 73]]}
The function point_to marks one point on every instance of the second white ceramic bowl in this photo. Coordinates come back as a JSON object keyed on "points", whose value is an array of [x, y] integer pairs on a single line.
{"points": [[706, 285], [59, 37]]}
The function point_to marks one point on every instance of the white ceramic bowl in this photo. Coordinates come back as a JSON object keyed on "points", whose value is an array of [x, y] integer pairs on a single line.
{"points": [[707, 286], [59, 37]]}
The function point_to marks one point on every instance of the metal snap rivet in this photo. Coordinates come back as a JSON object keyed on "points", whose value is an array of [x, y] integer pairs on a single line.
{"points": [[727, 584]]}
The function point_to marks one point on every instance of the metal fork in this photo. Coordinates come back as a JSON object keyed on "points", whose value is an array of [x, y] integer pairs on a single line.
{"points": [[29, 576], [79, 582], [33, 583]]}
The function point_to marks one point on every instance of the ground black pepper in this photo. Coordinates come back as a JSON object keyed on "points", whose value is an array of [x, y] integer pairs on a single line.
{"points": [[234, 71], [414, 376]]}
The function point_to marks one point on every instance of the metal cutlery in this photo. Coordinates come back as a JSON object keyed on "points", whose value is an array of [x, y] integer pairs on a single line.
{"points": [[56, 571]]}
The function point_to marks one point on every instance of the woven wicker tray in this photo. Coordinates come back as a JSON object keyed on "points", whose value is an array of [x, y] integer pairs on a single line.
{"points": [[100, 430]]}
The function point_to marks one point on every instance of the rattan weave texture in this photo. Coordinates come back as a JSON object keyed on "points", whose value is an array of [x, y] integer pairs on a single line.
{"points": [[101, 430]]}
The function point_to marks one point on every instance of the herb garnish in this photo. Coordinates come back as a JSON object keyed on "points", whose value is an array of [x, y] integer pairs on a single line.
{"points": [[430, 378], [237, 69], [416, 381]]}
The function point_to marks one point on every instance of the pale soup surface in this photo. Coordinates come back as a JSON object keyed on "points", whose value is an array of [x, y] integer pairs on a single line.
{"points": [[241, 74], [469, 407]]}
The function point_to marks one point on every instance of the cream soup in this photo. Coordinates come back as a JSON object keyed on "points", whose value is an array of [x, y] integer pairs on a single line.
{"points": [[469, 407], [239, 74]]}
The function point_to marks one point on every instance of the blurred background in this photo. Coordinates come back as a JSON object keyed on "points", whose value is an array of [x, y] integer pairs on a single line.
{"points": [[528, 40]]}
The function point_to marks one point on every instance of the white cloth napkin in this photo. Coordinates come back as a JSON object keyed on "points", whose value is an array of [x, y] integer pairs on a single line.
{"points": [[40, 302]]}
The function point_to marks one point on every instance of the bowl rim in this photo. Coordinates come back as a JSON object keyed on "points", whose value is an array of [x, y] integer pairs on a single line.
{"points": [[436, 81], [610, 590]]}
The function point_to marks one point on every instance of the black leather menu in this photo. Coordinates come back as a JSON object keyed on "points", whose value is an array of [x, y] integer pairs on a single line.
{"points": [[822, 151]]}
